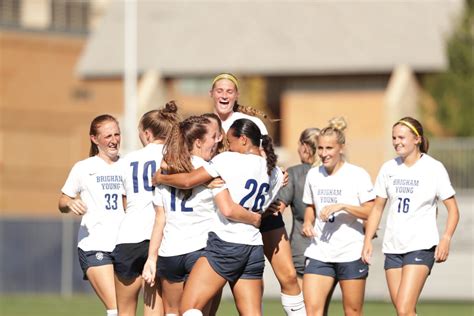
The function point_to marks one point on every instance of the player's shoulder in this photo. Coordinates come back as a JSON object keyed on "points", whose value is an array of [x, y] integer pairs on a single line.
{"points": [[226, 155], [314, 172], [391, 164], [428, 160], [133, 155], [88, 163], [354, 169]]}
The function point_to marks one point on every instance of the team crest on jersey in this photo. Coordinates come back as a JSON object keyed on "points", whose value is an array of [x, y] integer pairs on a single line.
{"points": [[99, 256]]}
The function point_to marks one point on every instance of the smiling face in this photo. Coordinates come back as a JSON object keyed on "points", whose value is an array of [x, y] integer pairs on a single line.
{"points": [[330, 152], [107, 140], [236, 144], [224, 95], [207, 146], [404, 141]]}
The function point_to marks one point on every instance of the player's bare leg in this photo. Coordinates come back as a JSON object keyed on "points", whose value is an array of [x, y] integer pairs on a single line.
{"points": [[203, 283], [248, 296]]}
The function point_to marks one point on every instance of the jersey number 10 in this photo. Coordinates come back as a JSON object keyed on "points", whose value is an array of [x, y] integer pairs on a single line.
{"points": [[149, 169]]}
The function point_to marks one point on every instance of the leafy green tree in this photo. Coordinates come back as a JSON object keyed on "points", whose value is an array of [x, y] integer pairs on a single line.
{"points": [[453, 89]]}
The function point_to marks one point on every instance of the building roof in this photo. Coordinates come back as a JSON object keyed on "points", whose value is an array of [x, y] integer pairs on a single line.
{"points": [[198, 37]]}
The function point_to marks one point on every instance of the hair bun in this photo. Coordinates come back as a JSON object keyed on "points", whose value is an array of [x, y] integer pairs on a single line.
{"points": [[338, 123], [171, 107]]}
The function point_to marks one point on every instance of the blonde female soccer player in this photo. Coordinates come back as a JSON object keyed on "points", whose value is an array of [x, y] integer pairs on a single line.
{"points": [[412, 184], [339, 196]]}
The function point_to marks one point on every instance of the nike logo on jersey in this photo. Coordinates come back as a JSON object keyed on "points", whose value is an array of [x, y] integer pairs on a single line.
{"points": [[418, 259], [361, 270], [92, 173]]}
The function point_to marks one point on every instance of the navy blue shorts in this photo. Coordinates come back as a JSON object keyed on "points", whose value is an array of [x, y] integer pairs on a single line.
{"points": [[129, 259], [271, 222], [93, 258], [177, 268], [418, 257], [234, 261], [338, 270]]}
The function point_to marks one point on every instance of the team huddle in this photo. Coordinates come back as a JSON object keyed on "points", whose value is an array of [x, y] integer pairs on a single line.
{"points": [[200, 206]]}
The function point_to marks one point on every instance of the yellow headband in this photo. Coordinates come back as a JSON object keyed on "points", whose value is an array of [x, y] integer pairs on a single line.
{"points": [[410, 126], [228, 77]]}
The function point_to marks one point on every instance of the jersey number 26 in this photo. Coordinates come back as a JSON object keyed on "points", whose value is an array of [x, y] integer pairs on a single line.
{"points": [[257, 189]]}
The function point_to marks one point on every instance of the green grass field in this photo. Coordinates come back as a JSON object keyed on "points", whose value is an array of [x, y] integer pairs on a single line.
{"points": [[80, 305]]}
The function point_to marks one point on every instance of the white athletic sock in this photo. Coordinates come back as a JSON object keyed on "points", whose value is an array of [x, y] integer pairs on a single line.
{"points": [[293, 304], [192, 312], [112, 312]]}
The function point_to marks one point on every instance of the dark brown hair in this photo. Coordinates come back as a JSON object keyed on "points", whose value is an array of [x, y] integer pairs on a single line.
{"points": [[180, 143]]}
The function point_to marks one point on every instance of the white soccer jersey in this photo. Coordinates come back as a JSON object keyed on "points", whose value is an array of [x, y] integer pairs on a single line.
{"points": [[188, 221], [139, 168], [250, 186], [412, 194], [100, 187], [341, 238], [238, 115]]}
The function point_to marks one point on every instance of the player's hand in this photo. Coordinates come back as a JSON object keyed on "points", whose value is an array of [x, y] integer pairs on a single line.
{"points": [[442, 250], [77, 206], [307, 230], [155, 181], [215, 183], [328, 210], [273, 209], [149, 272], [366, 255]]}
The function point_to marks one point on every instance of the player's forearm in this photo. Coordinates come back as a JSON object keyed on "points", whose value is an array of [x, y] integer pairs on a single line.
{"points": [[374, 218], [239, 214], [187, 180], [309, 215], [453, 217], [360, 211], [156, 235]]}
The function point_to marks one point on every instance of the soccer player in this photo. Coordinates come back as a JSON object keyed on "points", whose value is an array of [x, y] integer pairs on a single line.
{"points": [[94, 191], [234, 251], [134, 235], [339, 196], [412, 183], [224, 93], [184, 218]]}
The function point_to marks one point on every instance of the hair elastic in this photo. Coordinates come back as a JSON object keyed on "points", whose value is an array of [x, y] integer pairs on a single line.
{"points": [[228, 77], [410, 126]]}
